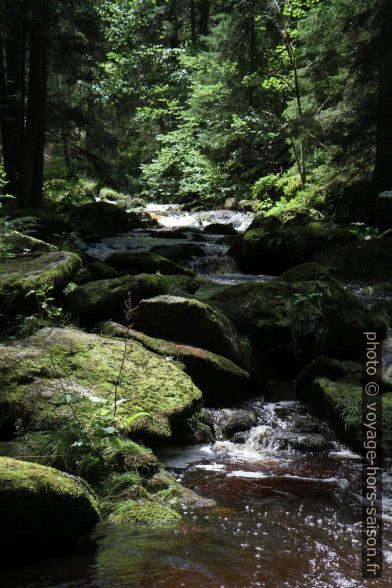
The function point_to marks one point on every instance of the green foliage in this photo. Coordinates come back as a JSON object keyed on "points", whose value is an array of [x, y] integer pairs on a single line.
{"points": [[65, 193], [48, 314], [87, 440], [307, 322]]}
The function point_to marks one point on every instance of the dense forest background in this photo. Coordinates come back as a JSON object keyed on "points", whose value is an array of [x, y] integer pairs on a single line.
{"points": [[280, 106]]}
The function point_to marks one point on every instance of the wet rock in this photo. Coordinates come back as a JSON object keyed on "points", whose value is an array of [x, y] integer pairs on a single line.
{"points": [[236, 421], [189, 321], [137, 262], [272, 248], [178, 253], [42, 507], [334, 388], [179, 233], [369, 261], [303, 442], [36, 373], [196, 430], [104, 299], [165, 485], [220, 229], [222, 382], [22, 274]]}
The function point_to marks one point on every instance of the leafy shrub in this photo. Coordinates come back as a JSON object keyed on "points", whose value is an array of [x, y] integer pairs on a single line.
{"points": [[70, 192]]}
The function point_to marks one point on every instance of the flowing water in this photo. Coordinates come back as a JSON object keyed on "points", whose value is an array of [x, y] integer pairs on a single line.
{"points": [[285, 515]]}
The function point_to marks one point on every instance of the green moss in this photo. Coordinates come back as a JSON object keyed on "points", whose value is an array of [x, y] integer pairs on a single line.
{"points": [[139, 261], [306, 272], [334, 388], [20, 274], [152, 514], [22, 244], [104, 299], [41, 504], [221, 381], [274, 247], [305, 318], [369, 261], [35, 374], [192, 322]]}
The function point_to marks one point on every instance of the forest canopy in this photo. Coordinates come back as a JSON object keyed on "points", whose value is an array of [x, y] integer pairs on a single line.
{"points": [[283, 104]]}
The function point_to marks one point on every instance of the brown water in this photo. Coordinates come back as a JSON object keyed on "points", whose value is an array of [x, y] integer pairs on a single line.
{"points": [[282, 518]]}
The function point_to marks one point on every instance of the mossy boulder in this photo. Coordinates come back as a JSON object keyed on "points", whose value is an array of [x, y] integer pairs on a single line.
{"points": [[146, 513], [42, 507], [178, 253], [101, 271], [104, 299], [22, 244], [334, 388], [272, 248], [189, 321], [368, 261], [294, 322], [100, 219], [36, 373], [307, 272], [23, 273], [222, 382], [128, 262]]}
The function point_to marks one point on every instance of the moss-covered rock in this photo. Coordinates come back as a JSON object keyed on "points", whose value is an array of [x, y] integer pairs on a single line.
{"points": [[41, 506], [178, 253], [147, 513], [101, 271], [306, 272], [273, 248], [294, 322], [23, 273], [129, 262], [35, 374], [334, 388], [189, 321], [222, 382], [364, 261], [22, 244], [165, 487], [100, 219], [104, 299]]}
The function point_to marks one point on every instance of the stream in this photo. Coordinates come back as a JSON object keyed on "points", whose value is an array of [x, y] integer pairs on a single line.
{"points": [[284, 516]]}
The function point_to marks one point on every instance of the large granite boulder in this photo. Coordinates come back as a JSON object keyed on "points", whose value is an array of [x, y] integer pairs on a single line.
{"points": [[36, 374], [22, 274], [222, 382], [42, 508], [189, 321], [272, 247], [104, 299]]}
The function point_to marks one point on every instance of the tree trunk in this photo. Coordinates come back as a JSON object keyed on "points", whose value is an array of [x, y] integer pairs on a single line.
{"points": [[12, 55], [193, 23], [32, 157], [382, 175], [204, 17]]}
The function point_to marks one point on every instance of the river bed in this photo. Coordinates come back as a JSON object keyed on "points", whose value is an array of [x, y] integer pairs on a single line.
{"points": [[284, 516]]}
